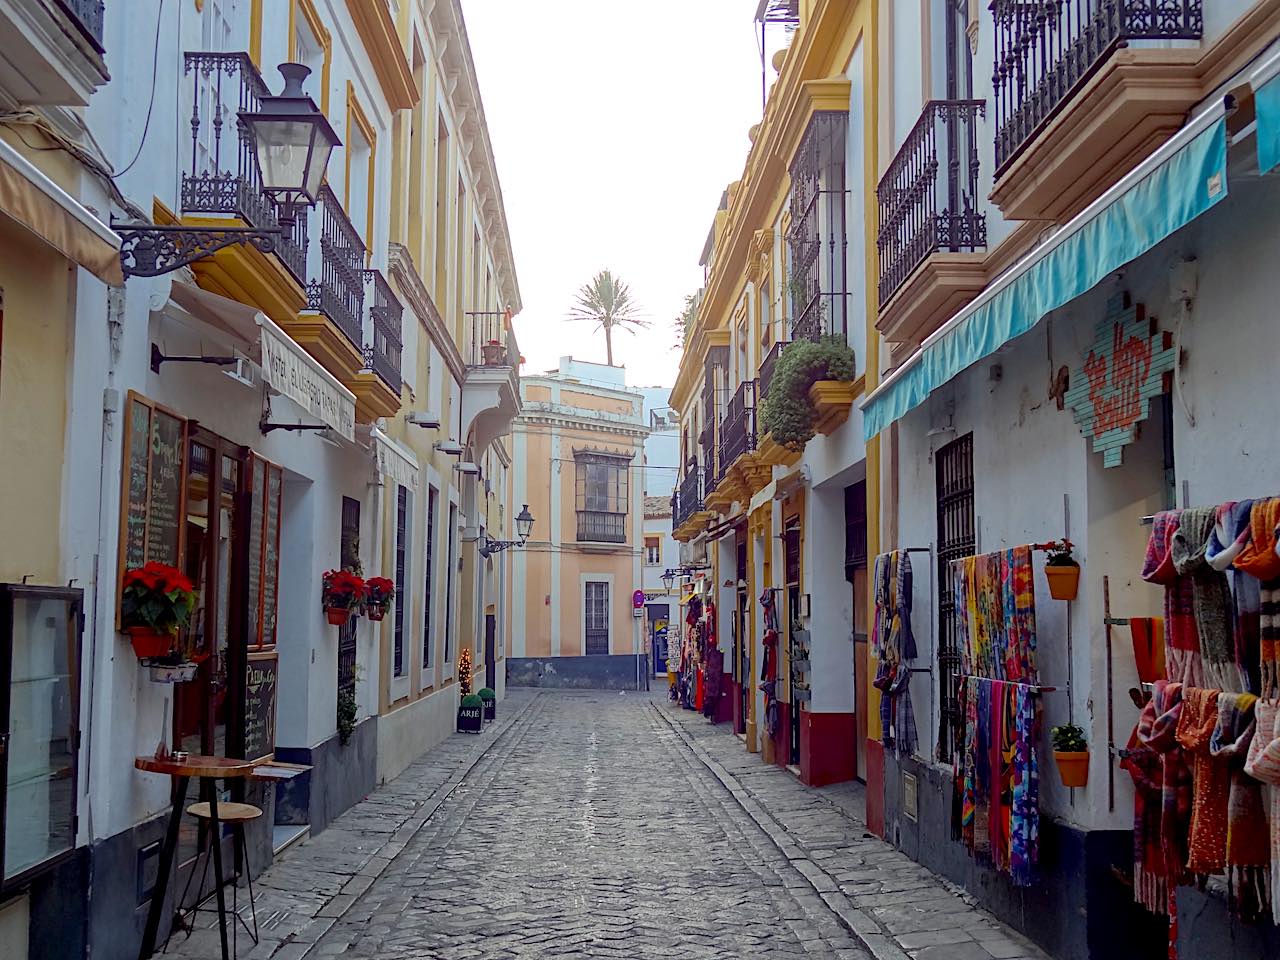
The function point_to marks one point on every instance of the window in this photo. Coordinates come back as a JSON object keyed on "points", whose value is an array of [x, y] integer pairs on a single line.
{"points": [[602, 495], [402, 582], [311, 46], [361, 145], [40, 630], [954, 493], [653, 551], [448, 584], [429, 589], [442, 208], [596, 617]]}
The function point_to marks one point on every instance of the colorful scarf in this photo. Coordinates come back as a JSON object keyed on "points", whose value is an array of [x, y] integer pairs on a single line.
{"points": [[1018, 582], [1211, 597], [1259, 558], [1207, 846], [897, 718], [1148, 647], [1263, 763], [994, 598], [1162, 799], [961, 577], [1181, 643], [1024, 836], [1247, 836], [880, 580]]}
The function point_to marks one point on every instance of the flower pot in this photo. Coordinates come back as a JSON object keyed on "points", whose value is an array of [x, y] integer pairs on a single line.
{"points": [[1073, 767], [337, 615], [375, 613], [1064, 580], [173, 672], [495, 354], [491, 709], [148, 642], [470, 719]]}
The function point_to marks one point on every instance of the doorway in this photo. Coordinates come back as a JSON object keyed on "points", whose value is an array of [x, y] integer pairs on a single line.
{"points": [[658, 616], [490, 648]]}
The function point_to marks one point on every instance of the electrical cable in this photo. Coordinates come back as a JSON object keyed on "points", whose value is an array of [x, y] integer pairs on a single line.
{"points": [[155, 69]]}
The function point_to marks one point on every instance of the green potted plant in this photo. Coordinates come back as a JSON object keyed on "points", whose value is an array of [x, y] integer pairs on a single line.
{"points": [[379, 592], [341, 591], [490, 700], [470, 714], [1062, 571], [155, 604], [787, 412], [1071, 752]]}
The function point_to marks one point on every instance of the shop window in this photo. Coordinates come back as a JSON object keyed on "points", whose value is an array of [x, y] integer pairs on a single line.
{"points": [[429, 586], [403, 498], [596, 617], [954, 492], [40, 631], [653, 551]]}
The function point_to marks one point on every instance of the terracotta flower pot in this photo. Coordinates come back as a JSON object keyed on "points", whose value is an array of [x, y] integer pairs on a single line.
{"points": [[1064, 580], [337, 615], [375, 613], [148, 642], [1073, 767]]}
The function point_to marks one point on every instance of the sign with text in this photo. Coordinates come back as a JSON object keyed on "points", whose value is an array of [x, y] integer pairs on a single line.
{"points": [[288, 370], [1126, 366], [637, 599], [260, 705], [393, 463]]}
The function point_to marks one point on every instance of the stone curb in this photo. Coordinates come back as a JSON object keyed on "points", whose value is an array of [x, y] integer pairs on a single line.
{"points": [[299, 945], [862, 925]]}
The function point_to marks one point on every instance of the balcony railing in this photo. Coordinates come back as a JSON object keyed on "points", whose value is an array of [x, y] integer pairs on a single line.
{"points": [[767, 367], [339, 291], [817, 237], [688, 499], [385, 322], [597, 527], [484, 328], [224, 175], [928, 196], [738, 430], [89, 15], [1047, 49]]}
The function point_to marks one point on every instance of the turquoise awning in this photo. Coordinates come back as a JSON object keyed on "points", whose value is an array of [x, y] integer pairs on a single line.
{"points": [[1180, 181], [1266, 98]]}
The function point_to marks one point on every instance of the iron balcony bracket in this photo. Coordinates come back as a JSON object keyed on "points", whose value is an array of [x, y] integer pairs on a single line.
{"points": [[157, 358], [151, 250]]}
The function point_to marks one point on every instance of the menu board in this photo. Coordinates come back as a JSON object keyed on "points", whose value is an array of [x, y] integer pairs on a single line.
{"points": [[137, 459], [260, 689], [257, 474], [164, 512], [271, 555], [152, 490]]}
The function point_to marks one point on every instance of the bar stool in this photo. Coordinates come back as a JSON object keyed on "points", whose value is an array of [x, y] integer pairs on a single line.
{"points": [[236, 815]]}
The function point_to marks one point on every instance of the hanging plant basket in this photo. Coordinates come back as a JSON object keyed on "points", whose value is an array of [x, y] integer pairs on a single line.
{"points": [[375, 613], [1073, 767], [1064, 580], [337, 616], [149, 643], [173, 672]]}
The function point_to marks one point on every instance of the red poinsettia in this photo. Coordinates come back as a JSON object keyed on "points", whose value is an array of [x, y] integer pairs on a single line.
{"points": [[342, 589], [379, 592], [157, 596]]}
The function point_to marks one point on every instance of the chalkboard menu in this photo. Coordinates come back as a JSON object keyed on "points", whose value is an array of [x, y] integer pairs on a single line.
{"points": [[257, 474], [266, 485], [152, 495], [260, 689]]}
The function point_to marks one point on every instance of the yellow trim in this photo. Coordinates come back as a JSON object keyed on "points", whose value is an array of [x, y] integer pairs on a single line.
{"points": [[356, 113], [255, 33], [382, 42], [312, 16]]}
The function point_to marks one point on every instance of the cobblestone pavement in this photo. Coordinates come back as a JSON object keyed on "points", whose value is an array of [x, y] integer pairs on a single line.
{"points": [[598, 825]]}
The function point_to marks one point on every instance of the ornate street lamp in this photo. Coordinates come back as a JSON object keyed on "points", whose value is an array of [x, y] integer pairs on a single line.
{"points": [[668, 578], [292, 142], [524, 527]]}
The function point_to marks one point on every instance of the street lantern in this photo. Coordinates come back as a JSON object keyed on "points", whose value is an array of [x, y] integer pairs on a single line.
{"points": [[292, 141], [524, 524], [668, 578]]}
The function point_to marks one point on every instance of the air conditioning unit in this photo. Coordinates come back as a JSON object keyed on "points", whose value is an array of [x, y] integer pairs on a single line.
{"points": [[243, 371]]}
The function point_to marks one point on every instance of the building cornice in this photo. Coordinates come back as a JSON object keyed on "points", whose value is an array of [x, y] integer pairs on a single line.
{"points": [[550, 418]]}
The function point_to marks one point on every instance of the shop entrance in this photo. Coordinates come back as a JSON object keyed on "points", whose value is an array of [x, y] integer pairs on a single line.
{"points": [[658, 616]]}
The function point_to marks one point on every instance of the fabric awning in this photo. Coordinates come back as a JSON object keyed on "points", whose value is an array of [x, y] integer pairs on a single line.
{"points": [[291, 371], [31, 198], [236, 318], [395, 461], [1265, 80], [1177, 183]]}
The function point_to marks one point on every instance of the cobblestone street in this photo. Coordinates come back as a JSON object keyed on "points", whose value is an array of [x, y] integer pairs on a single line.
{"points": [[601, 824]]}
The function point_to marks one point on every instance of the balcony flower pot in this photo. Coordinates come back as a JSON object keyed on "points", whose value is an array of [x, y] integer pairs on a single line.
{"points": [[156, 601], [148, 642], [379, 592], [1062, 571], [341, 591], [490, 700], [1071, 753], [495, 354], [337, 616], [471, 714]]}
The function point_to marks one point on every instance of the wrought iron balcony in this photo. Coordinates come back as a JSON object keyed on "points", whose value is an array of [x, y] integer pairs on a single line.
{"points": [[339, 292], [818, 237], [738, 429], [385, 321], [224, 175], [928, 195], [1047, 49], [89, 15], [688, 500], [768, 365], [597, 527]]}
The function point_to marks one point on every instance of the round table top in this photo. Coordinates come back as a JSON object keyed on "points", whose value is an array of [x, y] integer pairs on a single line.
{"points": [[197, 765]]}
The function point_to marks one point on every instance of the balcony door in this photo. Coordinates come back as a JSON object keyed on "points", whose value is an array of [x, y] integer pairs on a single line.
{"points": [[961, 136]]}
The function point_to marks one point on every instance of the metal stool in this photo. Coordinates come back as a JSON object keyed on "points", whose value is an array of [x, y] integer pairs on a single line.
{"points": [[236, 815]]}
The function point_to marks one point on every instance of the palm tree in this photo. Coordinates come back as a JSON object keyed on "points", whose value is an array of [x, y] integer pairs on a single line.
{"points": [[606, 301]]}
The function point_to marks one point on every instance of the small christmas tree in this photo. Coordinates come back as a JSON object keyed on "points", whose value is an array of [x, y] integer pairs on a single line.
{"points": [[464, 671]]}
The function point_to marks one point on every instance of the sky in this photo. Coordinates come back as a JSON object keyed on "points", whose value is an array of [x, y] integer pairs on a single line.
{"points": [[616, 126]]}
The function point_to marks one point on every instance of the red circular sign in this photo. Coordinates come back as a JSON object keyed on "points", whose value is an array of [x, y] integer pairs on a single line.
{"points": [[637, 599]]}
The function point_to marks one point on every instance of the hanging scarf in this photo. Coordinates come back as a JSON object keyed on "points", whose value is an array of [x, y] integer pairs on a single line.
{"points": [[961, 577], [1263, 763], [897, 718], [880, 578], [1207, 846], [1020, 615], [1182, 645], [901, 640], [1247, 836], [1024, 837], [1259, 558], [1211, 598], [1162, 801], [1148, 647]]}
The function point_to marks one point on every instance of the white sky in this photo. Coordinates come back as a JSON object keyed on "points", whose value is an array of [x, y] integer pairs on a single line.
{"points": [[616, 125]]}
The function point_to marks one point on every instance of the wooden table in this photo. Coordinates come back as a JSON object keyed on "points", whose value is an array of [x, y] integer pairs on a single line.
{"points": [[210, 770]]}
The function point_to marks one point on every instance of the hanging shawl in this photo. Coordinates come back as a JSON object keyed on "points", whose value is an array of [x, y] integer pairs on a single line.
{"points": [[1247, 835], [897, 719], [1162, 799], [902, 641], [1211, 598], [961, 577], [1147, 634], [1024, 836], [1259, 559], [880, 582], [1231, 534], [1263, 763], [1181, 643], [1207, 847], [1018, 583]]}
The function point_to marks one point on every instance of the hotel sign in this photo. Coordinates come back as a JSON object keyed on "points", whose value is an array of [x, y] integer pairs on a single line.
{"points": [[289, 370]]}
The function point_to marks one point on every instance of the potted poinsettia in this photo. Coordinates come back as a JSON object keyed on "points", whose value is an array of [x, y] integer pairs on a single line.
{"points": [[341, 592], [1071, 752], [155, 604], [494, 354], [470, 714], [490, 701], [1062, 571], [379, 592]]}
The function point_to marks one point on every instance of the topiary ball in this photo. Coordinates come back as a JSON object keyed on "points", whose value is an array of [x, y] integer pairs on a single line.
{"points": [[487, 693], [472, 700]]}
